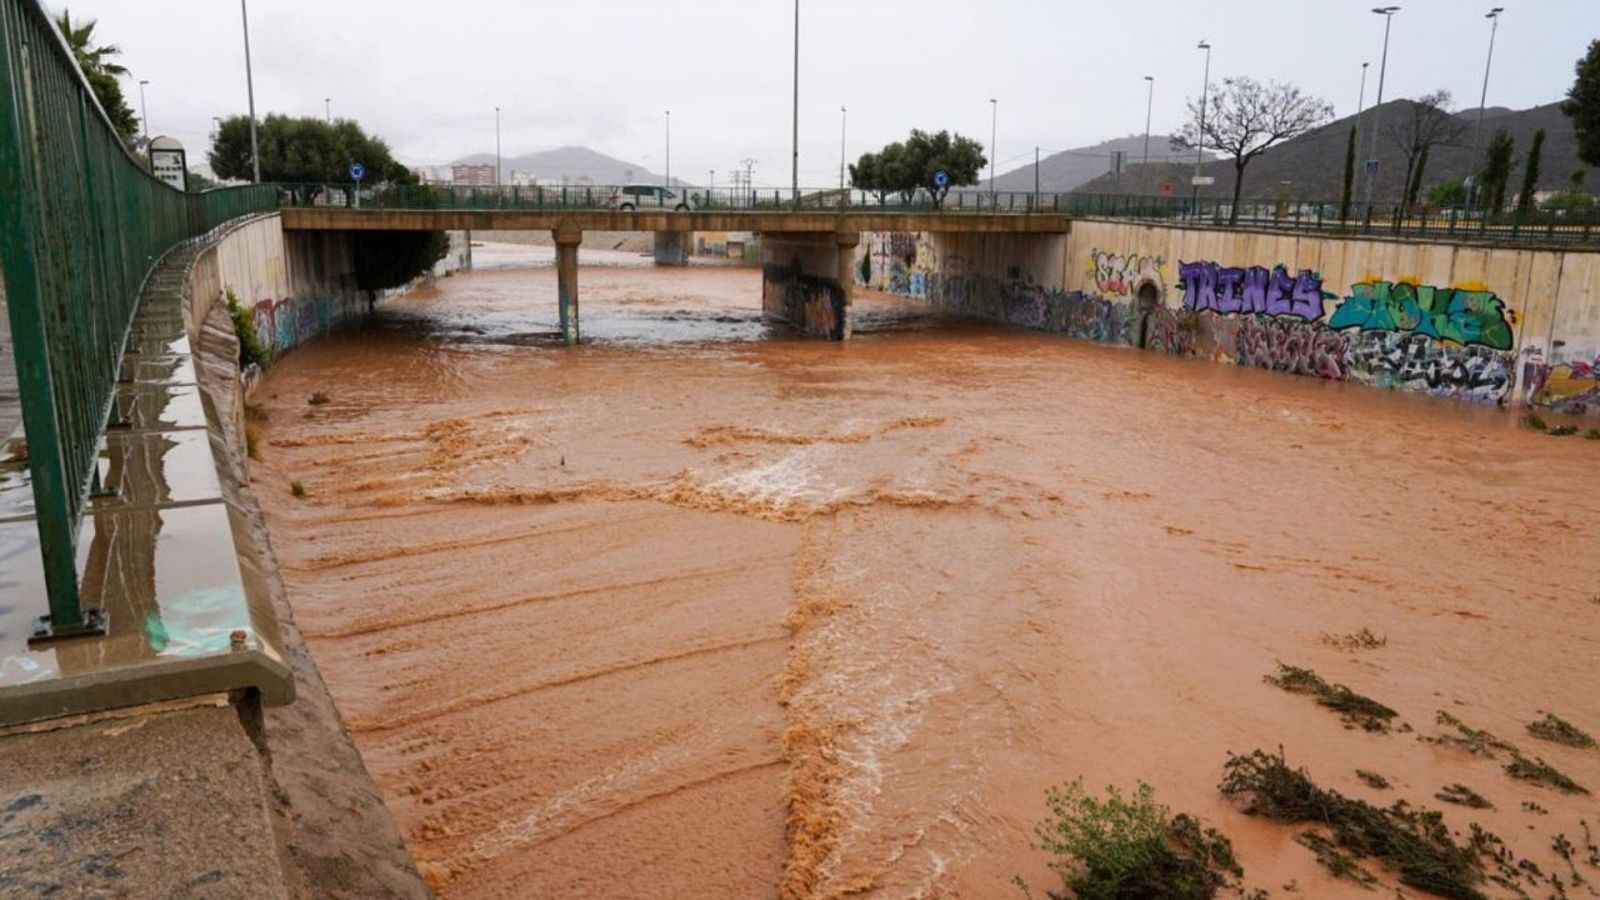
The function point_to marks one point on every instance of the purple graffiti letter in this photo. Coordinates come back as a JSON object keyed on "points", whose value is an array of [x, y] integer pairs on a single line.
{"points": [[1307, 298], [1228, 289], [1199, 285], [1256, 282], [1278, 292]]}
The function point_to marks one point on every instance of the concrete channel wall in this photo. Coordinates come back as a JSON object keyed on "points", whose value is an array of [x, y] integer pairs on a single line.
{"points": [[1502, 325], [296, 285]]}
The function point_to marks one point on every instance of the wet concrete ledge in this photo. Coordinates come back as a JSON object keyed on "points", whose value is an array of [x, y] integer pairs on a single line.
{"points": [[210, 795], [165, 555]]}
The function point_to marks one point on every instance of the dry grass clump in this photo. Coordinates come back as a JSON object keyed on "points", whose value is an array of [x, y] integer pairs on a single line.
{"points": [[1373, 779], [1461, 795], [1353, 708], [1540, 772], [1473, 740], [1413, 841], [1557, 730], [1365, 639]]}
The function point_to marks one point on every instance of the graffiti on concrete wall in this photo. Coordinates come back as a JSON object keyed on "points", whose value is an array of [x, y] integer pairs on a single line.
{"points": [[1416, 362], [814, 305], [283, 324], [1465, 315], [1568, 387], [898, 262], [1285, 345], [1120, 274], [1253, 290]]}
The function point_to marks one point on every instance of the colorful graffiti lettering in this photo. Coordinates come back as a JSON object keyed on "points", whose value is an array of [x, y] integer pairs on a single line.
{"points": [[1471, 317], [1417, 362], [1284, 345], [1121, 275], [1255, 290], [1570, 387]]}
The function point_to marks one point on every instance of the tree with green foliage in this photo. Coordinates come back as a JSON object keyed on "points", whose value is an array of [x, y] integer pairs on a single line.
{"points": [[1530, 173], [1583, 105], [199, 181], [1450, 192], [1574, 198], [304, 150], [906, 167], [101, 71], [1349, 175], [1244, 118], [1497, 169]]}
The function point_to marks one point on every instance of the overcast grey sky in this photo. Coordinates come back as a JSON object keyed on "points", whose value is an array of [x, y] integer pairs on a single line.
{"points": [[426, 75]]}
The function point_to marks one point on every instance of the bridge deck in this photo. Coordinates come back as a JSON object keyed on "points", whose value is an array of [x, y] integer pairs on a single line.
{"points": [[335, 218]]}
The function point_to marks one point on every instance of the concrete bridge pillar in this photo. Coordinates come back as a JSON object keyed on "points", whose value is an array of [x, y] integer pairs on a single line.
{"points": [[806, 280], [672, 248], [568, 236]]}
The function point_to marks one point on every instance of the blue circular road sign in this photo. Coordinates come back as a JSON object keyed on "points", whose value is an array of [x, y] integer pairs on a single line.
{"points": [[941, 178], [357, 171]]}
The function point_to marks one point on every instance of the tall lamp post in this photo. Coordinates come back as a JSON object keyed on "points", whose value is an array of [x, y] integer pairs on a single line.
{"points": [[250, 88], [1200, 142], [327, 109], [843, 120], [144, 115], [994, 155], [1377, 107], [1149, 103], [794, 166], [497, 146], [669, 150], [1361, 102], [1493, 16]]}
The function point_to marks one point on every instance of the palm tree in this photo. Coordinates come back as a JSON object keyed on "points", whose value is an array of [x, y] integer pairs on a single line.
{"points": [[90, 58], [101, 73]]}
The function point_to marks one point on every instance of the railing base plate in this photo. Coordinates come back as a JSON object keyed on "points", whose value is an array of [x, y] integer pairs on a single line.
{"points": [[44, 631]]}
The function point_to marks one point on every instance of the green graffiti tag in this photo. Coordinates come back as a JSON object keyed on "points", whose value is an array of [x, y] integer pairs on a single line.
{"points": [[1448, 314]]}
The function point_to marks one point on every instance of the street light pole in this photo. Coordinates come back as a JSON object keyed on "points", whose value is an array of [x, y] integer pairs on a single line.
{"points": [[1361, 102], [1200, 138], [794, 170], [497, 146], [843, 120], [1149, 103], [1494, 17], [994, 155], [250, 88], [669, 149], [144, 115], [1377, 107], [327, 109]]}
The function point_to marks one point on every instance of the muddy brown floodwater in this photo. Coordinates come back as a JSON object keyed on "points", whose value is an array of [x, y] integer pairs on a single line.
{"points": [[703, 610]]}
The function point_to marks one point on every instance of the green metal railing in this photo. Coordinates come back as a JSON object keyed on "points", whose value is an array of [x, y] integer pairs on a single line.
{"points": [[82, 223], [1280, 214]]}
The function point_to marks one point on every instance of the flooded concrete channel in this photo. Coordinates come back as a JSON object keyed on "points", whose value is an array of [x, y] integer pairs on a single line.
{"points": [[702, 609]]}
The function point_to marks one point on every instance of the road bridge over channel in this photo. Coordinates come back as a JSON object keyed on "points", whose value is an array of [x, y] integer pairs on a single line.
{"points": [[807, 255]]}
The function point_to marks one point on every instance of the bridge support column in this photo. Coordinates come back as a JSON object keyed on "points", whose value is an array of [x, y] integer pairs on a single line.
{"points": [[568, 236], [672, 248], [806, 280]]}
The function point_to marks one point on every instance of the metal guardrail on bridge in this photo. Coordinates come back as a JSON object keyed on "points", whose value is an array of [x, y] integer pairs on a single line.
{"points": [[1445, 223], [82, 223]]}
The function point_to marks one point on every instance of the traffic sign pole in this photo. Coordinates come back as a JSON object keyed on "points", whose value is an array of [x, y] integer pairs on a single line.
{"points": [[358, 172]]}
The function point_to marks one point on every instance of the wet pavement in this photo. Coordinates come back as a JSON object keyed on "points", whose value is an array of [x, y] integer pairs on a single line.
{"points": [[161, 555]]}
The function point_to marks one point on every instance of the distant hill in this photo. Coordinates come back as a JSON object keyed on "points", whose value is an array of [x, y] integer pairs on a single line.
{"points": [[575, 165], [1068, 169], [1313, 164]]}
